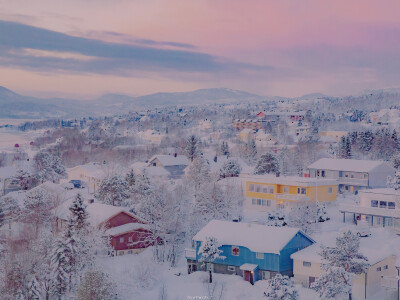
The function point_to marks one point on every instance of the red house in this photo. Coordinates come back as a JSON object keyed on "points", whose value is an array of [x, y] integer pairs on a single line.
{"points": [[128, 233]]}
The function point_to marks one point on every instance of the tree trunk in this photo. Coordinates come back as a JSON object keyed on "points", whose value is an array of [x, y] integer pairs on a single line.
{"points": [[211, 277]]}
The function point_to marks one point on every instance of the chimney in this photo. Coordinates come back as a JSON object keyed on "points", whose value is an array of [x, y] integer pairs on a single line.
{"points": [[175, 154]]}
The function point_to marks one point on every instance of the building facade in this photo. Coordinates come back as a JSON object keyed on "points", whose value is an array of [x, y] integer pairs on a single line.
{"points": [[255, 252], [268, 193]]}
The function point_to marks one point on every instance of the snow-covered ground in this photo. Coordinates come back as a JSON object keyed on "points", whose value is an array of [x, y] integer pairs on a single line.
{"points": [[139, 278]]}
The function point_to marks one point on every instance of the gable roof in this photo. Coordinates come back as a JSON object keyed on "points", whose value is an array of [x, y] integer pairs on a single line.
{"points": [[258, 238], [171, 160], [346, 164], [98, 212]]}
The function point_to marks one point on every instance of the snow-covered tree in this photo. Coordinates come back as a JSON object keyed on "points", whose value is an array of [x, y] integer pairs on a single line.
{"points": [[37, 206], [60, 267], [281, 287], [252, 152], [395, 181], [396, 162], [266, 165], [209, 251], [344, 148], [192, 147], [24, 178], [342, 262], [96, 285], [49, 167], [303, 216], [130, 179], [113, 190], [276, 218], [230, 168], [225, 148]]}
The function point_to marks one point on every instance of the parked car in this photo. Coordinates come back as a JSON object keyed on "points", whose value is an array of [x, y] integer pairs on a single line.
{"points": [[362, 229], [78, 184]]}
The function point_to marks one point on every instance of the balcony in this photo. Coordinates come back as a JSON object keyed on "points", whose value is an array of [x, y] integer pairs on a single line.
{"points": [[353, 181], [292, 197], [190, 253], [365, 210]]}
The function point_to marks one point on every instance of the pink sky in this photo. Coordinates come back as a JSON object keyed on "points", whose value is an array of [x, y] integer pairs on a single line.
{"points": [[335, 47]]}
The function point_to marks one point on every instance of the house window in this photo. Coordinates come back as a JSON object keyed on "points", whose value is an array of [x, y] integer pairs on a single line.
{"points": [[382, 204], [385, 267], [330, 190], [235, 250], [130, 239], [265, 275], [258, 201], [265, 190], [378, 269], [154, 164], [259, 255], [391, 205], [264, 202], [286, 189], [121, 253], [258, 188], [231, 268], [130, 251], [270, 190], [323, 173], [374, 203], [388, 222], [301, 191], [121, 239], [268, 203], [254, 201], [306, 264], [251, 187]]}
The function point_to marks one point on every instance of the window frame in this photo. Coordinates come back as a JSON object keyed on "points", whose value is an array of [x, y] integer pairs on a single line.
{"points": [[307, 264], [231, 268], [384, 204], [393, 206], [376, 203], [121, 239], [260, 255]]}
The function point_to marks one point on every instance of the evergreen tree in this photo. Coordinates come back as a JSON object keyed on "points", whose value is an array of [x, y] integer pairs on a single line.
{"points": [[230, 168], [281, 287], [224, 148], [130, 179], [192, 147], [113, 190], [209, 251], [343, 262], [60, 266], [252, 151], [266, 165]]}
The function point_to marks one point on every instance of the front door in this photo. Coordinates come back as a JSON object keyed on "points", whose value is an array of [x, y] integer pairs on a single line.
{"points": [[310, 280], [248, 276]]}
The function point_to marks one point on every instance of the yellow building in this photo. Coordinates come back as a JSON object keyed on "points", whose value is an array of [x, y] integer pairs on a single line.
{"points": [[267, 192]]}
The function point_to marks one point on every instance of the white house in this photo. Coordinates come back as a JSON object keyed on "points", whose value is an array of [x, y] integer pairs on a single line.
{"points": [[378, 207], [174, 164], [92, 174], [352, 174], [381, 249], [158, 173]]}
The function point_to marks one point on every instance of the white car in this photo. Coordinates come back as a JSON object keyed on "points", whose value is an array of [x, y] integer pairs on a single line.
{"points": [[363, 231]]}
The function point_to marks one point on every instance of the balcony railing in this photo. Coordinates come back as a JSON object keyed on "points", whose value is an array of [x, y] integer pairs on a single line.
{"points": [[353, 181], [292, 197], [190, 253]]}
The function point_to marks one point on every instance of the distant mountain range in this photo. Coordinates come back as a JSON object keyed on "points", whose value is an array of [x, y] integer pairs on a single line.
{"points": [[15, 106]]}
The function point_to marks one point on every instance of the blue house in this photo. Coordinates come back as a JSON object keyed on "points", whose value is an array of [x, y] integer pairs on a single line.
{"points": [[251, 250]]}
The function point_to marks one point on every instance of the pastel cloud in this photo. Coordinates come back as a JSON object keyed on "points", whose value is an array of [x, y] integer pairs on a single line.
{"points": [[261, 45]]}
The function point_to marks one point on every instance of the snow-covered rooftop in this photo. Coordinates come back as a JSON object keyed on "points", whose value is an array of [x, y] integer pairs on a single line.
{"points": [[98, 212], [91, 169], [290, 180], [346, 164], [171, 160], [258, 238], [125, 228]]}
